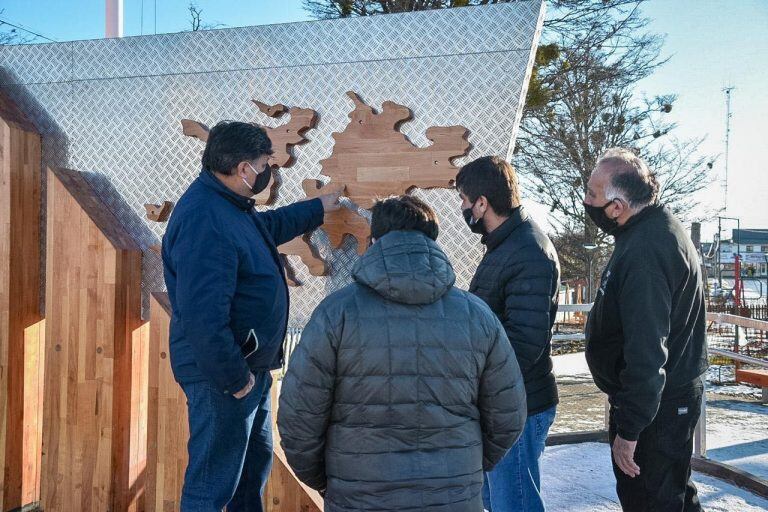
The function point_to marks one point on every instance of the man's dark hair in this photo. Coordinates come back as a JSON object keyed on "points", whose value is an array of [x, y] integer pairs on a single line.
{"points": [[494, 178], [403, 213], [232, 142]]}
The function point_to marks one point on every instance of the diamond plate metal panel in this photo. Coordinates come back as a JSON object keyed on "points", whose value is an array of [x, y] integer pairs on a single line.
{"points": [[398, 36], [113, 109], [36, 64]]}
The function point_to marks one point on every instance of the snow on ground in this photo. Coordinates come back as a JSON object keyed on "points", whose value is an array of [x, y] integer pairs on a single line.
{"points": [[737, 434], [571, 365], [578, 478], [737, 424]]}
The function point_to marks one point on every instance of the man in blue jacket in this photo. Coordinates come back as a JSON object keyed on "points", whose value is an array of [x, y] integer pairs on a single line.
{"points": [[227, 288]]}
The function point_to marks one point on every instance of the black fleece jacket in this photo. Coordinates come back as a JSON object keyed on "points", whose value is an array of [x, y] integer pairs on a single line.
{"points": [[646, 333]]}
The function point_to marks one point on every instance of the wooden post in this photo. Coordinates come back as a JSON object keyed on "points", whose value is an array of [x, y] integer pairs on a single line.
{"points": [[284, 492], [93, 313], [168, 427], [21, 331]]}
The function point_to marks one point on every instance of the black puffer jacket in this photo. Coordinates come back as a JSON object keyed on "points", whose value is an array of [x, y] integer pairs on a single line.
{"points": [[519, 278], [403, 388]]}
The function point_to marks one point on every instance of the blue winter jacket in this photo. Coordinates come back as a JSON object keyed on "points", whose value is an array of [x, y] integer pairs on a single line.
{"points": [[226, 282]]}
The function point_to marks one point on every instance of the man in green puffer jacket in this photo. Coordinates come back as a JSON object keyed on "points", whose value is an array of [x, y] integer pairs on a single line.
{"points": [[403, 389]]}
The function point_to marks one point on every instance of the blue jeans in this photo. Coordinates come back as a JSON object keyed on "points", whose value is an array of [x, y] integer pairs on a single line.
{"points": [[515, 483], [230, 448]]}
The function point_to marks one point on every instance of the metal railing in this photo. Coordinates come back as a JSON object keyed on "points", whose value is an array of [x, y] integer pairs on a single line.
{"points": [[700, 435]]}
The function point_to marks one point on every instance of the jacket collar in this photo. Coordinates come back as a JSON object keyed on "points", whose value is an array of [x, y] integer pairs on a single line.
{"points": [[208, 179], [501, 233], [648, 212]]}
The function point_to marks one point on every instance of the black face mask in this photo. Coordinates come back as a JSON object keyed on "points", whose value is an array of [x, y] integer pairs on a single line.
{"points": [[601, 220], [476, 226], [262, 179]]}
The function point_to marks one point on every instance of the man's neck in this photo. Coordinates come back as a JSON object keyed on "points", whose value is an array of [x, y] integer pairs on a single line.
{"points": [[232, 182], [493, 221], [628, 214]]}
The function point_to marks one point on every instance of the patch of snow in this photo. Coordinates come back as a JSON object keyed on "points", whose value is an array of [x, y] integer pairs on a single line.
{"points": [[737, 434], [737, 429], [570, 365], [579, 478]]}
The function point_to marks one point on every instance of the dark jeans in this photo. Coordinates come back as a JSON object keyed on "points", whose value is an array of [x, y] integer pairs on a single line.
{"points": [[230, 448], [663, 454]]}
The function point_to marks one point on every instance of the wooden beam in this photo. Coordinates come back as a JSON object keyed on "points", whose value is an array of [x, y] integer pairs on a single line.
{"points": [[284, 492], [93, 313], [731, 474], [168, 427], [20, 316], [747, 323]]}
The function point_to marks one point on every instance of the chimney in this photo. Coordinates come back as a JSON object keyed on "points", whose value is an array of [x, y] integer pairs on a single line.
{"points": [[114, 16]]}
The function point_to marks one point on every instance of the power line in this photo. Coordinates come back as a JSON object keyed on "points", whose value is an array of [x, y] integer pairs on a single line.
{"points": [[5, 22]]}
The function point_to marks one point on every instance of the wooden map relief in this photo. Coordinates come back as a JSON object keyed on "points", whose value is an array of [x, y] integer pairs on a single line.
{"points": [[303, 248], [159, 212], [342, 222], [373, 159]]}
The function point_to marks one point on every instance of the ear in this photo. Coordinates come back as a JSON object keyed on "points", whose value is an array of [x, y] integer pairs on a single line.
{"points": [[242, 169], [617, 209]]}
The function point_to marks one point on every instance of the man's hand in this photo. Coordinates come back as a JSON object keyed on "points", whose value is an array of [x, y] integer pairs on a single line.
{"points": [[247, 389], [624, 456], [331, 201]]}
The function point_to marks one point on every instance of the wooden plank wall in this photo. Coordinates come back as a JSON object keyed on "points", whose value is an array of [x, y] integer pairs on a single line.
{"points": [[93, 312], [20, 318], [168, 432], [110, 433], [168, 428]]}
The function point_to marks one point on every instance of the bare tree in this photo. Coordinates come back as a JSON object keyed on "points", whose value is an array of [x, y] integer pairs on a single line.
{"points": [[196, 19], [581, 101], [324, 9], [12, 35], [195, 16]]}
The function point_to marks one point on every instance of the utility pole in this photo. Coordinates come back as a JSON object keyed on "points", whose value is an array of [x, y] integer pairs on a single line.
{"points": [[719, 250], [727, 90]]}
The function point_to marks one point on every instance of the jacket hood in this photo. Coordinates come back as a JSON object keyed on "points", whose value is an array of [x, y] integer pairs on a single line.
{"points": [[406, 267]]}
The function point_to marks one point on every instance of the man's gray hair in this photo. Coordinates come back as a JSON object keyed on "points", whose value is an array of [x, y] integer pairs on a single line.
{"points": [[631, 180]]}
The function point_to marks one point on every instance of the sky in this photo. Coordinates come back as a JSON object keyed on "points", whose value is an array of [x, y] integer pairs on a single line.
{"points": [[711, 44]]}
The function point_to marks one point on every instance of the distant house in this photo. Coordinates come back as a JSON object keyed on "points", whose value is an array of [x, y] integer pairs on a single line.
{"points": [[750, 244]]}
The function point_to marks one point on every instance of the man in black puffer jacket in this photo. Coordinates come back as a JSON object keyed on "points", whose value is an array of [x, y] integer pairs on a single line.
{"points": [[403, 388], [519, 278]]}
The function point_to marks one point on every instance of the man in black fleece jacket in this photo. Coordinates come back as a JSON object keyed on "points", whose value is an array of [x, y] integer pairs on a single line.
{"points": [[646, 336]]}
